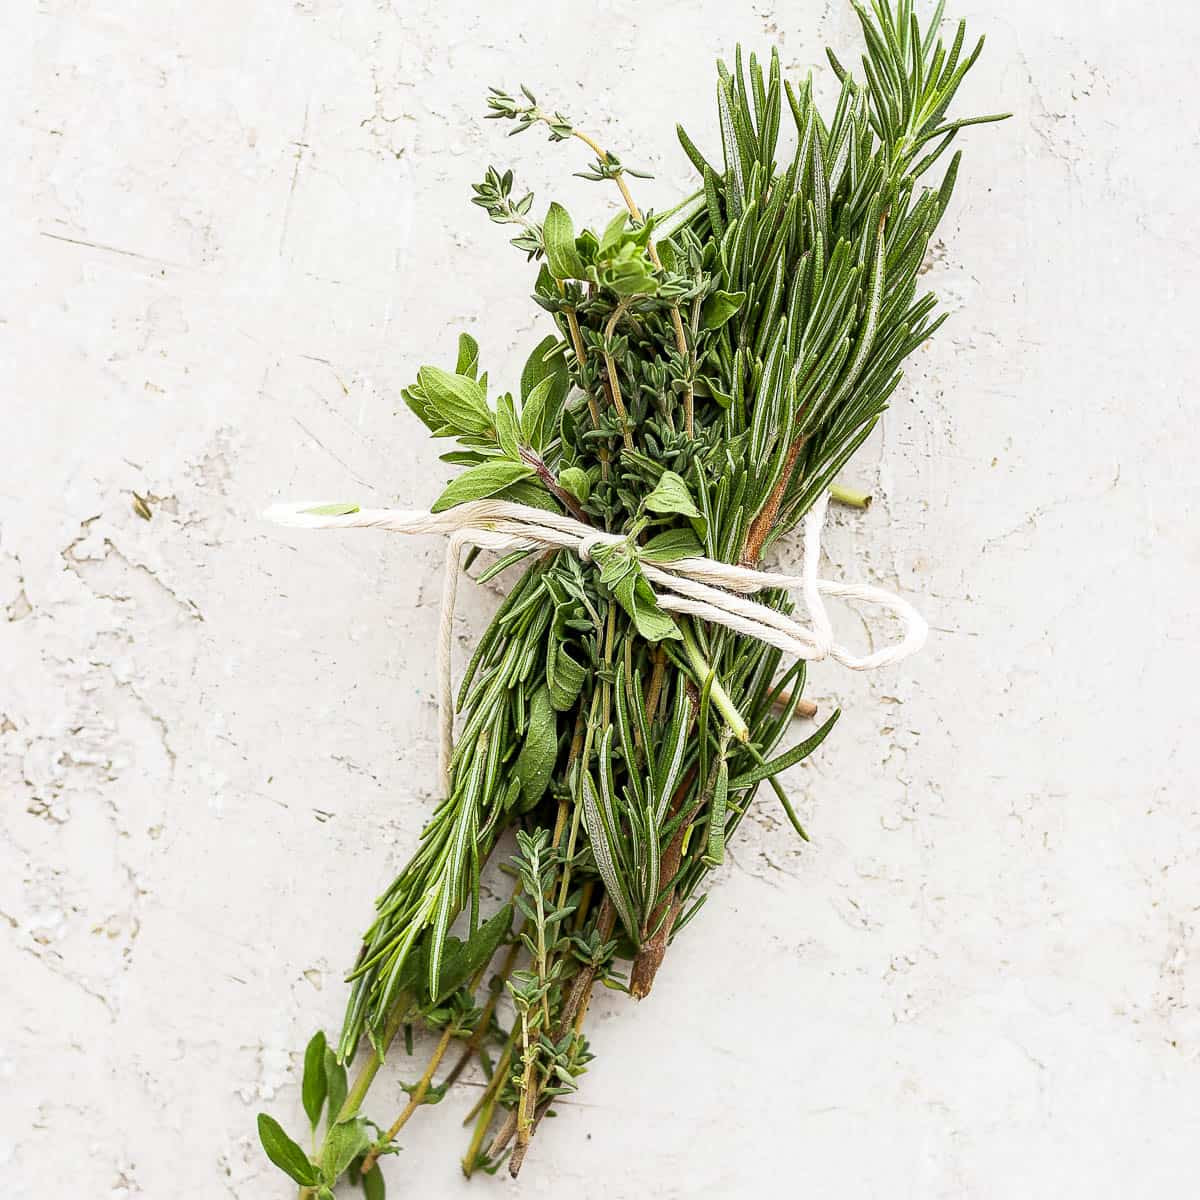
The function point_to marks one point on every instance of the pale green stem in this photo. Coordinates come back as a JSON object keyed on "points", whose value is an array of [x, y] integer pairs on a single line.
{"points": [[851, 499], [718, 695]]}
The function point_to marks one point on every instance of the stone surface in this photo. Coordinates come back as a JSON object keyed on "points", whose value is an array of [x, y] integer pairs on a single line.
{"points": [[247, 225]]}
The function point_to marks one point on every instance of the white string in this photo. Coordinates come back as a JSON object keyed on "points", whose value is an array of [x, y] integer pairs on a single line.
{"points": [[698, 587]]}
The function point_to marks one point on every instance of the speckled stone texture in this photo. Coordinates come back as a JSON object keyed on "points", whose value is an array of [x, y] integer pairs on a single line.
{"points": [[240, 229]]}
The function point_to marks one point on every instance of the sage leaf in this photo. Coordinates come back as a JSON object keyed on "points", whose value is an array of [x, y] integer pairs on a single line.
{"points": [[535, 412], [284, 1153], [477, 483], [531, 492], [458, 399], [671, 545], [507, 430], [637, 598], [468, 356], [462, 960], [546, 361], [564, 676]]}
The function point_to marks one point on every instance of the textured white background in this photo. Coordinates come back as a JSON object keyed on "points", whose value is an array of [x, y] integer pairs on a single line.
{"points": [[242, 227]]}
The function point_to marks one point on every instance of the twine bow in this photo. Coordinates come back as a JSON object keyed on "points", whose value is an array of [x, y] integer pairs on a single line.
{"points": [[698, 587]]}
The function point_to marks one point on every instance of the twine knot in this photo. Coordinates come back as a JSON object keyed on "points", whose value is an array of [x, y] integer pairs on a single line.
{"points": [[698, 587]]}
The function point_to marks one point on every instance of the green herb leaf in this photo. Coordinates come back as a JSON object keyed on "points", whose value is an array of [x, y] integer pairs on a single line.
{"points": [[335, 1078], [575, 480], [536, 411], [508, 432], [719, 307], [332, 510], [540, 409], [672, 496], [284, 1153], [315, 1086], [462, 960], [346, 1141], [373, 1185], [476, 483], [468, 356], [564, 676], [458, 399], [672, 544], [790, 759], [535, 763], [614, 233], [601, 834], [558, 232], [637, 598]]}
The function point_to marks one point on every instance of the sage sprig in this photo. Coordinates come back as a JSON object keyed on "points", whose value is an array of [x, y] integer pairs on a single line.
{"points": [[710, 372]]}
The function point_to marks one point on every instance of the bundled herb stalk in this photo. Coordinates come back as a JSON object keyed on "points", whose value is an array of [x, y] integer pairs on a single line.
{"points": [[711, 371]]}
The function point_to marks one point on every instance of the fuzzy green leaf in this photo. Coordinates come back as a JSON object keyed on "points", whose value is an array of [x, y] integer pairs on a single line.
{"points": [[637, 598], [458, 399], [477, 483], [335, 1076], [564, 676], [672, 496], [346, 1141], [536, 412], [508, 432], [547, 360], [562, 257], [671, 545], [575, 480], [468, 356]]}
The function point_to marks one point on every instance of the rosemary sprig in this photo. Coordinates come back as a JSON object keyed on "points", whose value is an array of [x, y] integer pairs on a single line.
{"points": [[711, 371]]}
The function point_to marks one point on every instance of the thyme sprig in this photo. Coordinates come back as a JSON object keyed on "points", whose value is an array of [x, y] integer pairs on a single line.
{"points": [[711, 371]]}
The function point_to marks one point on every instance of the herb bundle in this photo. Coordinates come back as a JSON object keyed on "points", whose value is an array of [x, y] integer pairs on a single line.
{"points": [[712, 369]]}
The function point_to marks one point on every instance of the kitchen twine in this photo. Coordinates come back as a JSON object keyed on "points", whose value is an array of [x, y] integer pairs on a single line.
{"points": [[695, 587]]}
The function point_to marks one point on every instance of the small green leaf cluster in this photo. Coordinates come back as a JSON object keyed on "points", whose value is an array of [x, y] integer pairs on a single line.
{"points": [[494, 196], [502, 446], [347, 1137], [526, 114]]}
